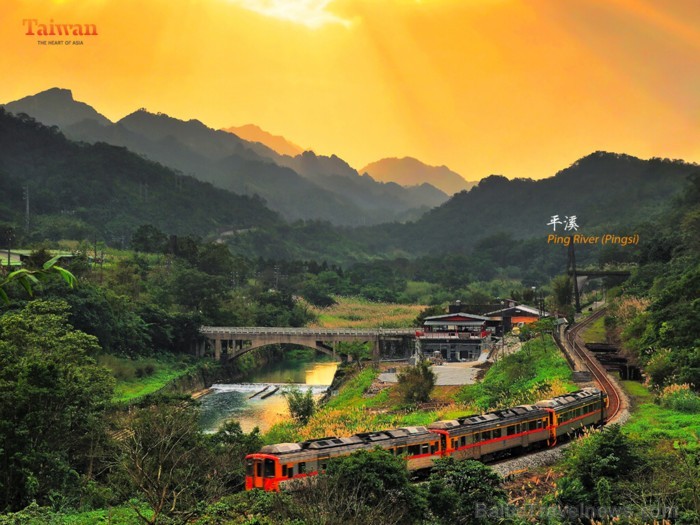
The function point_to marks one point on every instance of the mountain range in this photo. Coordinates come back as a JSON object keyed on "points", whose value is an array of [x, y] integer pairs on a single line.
{"points": [[278, 143], [305, 186], [408, 171], [82, 191]]}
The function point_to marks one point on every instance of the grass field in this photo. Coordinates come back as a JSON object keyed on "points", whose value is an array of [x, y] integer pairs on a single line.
{"points": [[355, 312], [538, 371], [595, 333], [353, 411], [139, 377], [651, 421]]}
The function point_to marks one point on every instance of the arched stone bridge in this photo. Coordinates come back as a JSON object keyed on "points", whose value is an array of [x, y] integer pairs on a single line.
{"points": [[232, 342]]}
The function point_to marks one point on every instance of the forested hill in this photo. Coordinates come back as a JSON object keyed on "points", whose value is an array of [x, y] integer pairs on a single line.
{"points": [[607, 192], [306, 186], [79, 190], [603, 190]]}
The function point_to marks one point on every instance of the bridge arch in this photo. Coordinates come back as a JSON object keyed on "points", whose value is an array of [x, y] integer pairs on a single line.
{"points": [[261, 344]]}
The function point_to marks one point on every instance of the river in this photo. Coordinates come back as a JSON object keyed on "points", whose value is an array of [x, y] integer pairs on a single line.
{"points": [[229, 402]]}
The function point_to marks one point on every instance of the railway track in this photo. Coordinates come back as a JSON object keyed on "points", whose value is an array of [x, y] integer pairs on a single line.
{"points": [[598, 370], [519, 465]]}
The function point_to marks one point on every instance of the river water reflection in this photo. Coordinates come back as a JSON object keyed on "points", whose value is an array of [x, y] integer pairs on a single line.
{"points": [[232, 401]]}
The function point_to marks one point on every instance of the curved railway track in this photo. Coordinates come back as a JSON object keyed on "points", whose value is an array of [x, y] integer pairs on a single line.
{"points": [[598, 370]]}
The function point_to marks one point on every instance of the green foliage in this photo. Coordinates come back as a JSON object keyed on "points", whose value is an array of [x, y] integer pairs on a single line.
{"points": [[254, 507], [143, 376], [367, 486], [29, 279], [562, 287], [148, 238], [167, 460], [430, 311], [457, 490], [595, 465], [357, 350], [416, 383], [680, 398], [52, 395], [301, 405]]}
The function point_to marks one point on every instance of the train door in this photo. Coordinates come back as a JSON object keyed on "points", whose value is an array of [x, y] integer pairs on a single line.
{"points": [[254, 470]]}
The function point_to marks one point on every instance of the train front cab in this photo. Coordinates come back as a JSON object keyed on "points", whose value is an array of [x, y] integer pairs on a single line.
{"points": [[262, 472]]}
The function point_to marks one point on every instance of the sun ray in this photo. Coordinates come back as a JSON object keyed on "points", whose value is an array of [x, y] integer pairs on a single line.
{"points": [[310, 13]]}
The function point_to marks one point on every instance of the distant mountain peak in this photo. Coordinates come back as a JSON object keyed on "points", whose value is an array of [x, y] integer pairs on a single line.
{"points": [[254, 133], [56, 107], [57, 93], [409, 171]]}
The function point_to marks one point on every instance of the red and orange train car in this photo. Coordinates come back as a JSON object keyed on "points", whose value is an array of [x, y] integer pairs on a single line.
{"points": [[481, 437]]}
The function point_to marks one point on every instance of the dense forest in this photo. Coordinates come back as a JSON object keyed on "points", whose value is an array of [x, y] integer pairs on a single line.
{"points": [[80, 191]]}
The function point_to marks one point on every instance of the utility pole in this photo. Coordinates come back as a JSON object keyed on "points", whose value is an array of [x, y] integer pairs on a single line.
{"points": [[9, 247], [26, 200]]}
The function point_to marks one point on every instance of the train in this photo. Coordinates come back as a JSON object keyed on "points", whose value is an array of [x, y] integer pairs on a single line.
{"points": [[481, 437]]}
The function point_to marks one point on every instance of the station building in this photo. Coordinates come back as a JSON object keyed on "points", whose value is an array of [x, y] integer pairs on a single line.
{"points": [[457, 336]]}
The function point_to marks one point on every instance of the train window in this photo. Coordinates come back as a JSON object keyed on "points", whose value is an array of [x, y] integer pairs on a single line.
{"points": [[399, 451], [486, 435], [284, 471], [532, 425], [510, 430], [249, 468], [269, 468], [424, 449], [540, 423], [290, 471], [433, 448], [454, 443], [413, 450], [258, 469], [463, 441], [496, 432], [302, 467]]}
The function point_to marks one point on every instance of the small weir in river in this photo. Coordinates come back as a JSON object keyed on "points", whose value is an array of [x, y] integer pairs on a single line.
{"points": [[259, 401]]}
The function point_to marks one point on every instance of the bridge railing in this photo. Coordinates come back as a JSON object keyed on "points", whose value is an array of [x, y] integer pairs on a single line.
{"points": [[320, 332]]}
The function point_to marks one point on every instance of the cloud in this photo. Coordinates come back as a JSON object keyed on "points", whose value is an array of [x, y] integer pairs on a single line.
{"points": [[311, 13]]}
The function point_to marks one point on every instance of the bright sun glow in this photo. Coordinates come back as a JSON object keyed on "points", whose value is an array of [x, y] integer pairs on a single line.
{"points": [[311, 13]]}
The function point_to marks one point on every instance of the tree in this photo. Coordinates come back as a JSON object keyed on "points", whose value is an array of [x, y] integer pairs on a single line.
{"points": [[595, 465], [52, 398], [164, 460], [562, 288], [229, 447], [365, 487], [301, 405], [458, 490], [148, 238], [416, 383]]}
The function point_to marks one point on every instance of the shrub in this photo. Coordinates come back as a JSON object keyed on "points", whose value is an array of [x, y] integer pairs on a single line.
{"points": [[416, 383], [301, 405], [681, 398]]}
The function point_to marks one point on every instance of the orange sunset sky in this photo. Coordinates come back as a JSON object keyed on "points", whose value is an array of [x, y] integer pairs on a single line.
{"points": [[517, 87]]}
